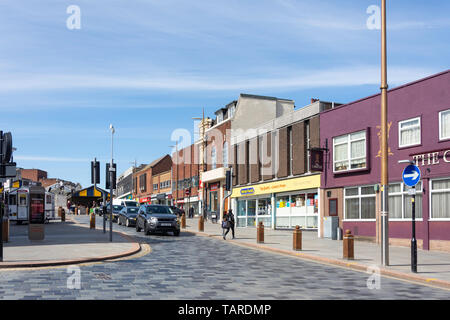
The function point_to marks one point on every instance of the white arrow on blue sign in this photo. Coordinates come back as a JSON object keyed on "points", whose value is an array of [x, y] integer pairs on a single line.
{"points": [[411, 175]]}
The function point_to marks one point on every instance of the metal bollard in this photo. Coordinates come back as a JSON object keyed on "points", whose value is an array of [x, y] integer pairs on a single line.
{"points": [[201, 224], [260, 233], [183, 221], [297, 239], [92, 220], [5, 233], [63, 215], [348, 246]]}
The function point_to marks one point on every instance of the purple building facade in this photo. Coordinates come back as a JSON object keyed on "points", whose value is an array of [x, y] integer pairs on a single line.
{"points": [[419, 130]]}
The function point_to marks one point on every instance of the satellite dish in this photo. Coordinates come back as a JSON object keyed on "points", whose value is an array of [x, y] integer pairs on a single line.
{"points": [[7, 147]]}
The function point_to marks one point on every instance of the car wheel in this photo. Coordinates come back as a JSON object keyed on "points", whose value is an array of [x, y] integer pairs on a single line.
{"points": [[127, 223], [118, 221]]}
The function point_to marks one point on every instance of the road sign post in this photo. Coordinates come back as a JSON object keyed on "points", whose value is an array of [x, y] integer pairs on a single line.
{"points": [[411, 176]]}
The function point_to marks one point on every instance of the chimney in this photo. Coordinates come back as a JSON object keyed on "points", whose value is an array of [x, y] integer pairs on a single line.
{"points": [[314, 100]]}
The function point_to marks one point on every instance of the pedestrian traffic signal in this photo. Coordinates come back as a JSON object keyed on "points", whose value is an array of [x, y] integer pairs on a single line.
{"points": [[95, 172], [110, 174], [6, 147]]}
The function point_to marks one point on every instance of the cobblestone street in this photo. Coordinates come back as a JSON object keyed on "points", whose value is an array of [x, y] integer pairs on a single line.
{"points": [[193, 267]]}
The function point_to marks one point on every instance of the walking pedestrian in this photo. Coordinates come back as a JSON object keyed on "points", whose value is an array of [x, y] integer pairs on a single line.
{"points": [[191, 212], [231, 220], [225, 225]]}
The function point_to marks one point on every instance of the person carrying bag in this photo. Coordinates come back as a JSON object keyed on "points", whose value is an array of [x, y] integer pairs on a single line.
{"points": [[226, 224]]}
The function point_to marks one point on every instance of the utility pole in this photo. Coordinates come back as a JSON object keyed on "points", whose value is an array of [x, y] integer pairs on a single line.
{"points": [[111, 185], [384, 144]]}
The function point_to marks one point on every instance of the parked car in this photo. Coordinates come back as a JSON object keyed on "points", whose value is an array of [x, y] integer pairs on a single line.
{"points": [[176, 210], [157, 218], [127, 216], [116, 211]]}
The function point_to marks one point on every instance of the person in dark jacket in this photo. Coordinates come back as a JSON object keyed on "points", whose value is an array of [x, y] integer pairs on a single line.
{"points": [[191, 212], [229, 219]]}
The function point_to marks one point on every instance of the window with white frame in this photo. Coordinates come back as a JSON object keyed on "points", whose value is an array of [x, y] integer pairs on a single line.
{"points": [[444, 125], [400, 202], [349, 151], [359, 203], [213, 157], [440, 199], [225, 154], [409, 132]]}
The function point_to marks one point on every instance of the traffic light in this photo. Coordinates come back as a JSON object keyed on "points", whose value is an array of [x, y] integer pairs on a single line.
{"points": [[108, 176], [228, 180], [95, 172], [7, 168]]}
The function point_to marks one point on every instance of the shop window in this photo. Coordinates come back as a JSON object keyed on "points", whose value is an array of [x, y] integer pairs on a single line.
{"points": [[444, 125], [359, 203], [349, 152], [409, 132], [440, 199]]}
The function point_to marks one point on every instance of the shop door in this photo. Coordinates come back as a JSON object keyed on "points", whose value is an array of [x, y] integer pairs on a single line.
{"points": [[264, 212]]}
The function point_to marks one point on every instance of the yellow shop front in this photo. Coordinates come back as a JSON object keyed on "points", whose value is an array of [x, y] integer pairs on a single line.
{"points": [[280, 204]]}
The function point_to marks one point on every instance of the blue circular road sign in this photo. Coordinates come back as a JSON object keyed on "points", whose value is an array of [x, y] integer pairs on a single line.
{"points": [[411, 175]]}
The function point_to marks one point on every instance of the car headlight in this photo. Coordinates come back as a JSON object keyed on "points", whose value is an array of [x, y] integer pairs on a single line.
{"points": [[153, 220]]}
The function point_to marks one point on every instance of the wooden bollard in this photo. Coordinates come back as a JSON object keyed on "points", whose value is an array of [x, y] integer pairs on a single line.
{"points": [[63, 215], [297, 239], [92, 220], [5, 233], [59, 211], [183, 221], [260, 233], [76, 210], [347, 244], [201, 224]]}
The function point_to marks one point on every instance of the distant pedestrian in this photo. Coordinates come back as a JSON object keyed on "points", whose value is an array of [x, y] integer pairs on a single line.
{"points": [[191, 212], [226, 224], [231, 219]]}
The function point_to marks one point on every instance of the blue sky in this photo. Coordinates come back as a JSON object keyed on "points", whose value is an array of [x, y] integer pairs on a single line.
{"points": [[148, 67]]}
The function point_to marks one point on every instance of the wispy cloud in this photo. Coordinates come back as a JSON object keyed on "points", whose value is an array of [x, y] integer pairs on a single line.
{"points": [[331, 77]]}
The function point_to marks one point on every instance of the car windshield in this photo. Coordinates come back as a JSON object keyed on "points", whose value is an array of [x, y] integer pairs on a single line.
{"points": [[130, 204], [117, 208], [132, 210], [158, 209]]}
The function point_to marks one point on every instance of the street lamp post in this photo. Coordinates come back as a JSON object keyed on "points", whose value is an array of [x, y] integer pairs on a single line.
{"points": [[176, 181], [111, 176], [384, 144]]}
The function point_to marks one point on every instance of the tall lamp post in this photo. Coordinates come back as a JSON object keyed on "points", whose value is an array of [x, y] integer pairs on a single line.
{"points": [[111, 176], [203, 169], [384, 144], [176, 181]]}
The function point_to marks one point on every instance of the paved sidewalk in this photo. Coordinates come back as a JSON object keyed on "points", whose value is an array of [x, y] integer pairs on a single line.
{"points": [[433, 267], [66, 242]]}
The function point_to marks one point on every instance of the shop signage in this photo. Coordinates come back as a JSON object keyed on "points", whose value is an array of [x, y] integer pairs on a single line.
{"points": [[431, 158], [316, 160], [247, 191], [214, 186], [146, 199], [302, 183]]}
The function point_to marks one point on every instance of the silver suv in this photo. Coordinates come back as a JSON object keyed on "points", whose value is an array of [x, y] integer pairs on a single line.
{"points": [[157, 218]]}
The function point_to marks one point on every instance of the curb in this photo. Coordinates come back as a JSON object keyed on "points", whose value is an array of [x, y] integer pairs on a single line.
{"points": [[347, 264], [136, 248]]}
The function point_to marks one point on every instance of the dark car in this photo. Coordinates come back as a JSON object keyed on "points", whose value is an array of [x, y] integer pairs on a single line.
{"points": [[157, 218], [176, 210], [116, 211], [127, 216]]}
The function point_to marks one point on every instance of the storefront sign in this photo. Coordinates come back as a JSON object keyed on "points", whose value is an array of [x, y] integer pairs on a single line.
{"points": [[316, 160], [146, 199], [432, 157], [309, 182], [214, 186], [247, 191]]}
